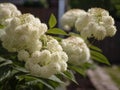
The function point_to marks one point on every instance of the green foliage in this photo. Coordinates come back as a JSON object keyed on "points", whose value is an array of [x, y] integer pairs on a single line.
{"points": [[92, 47], [98, 56], [10, 73], [52, 21], [56, 31], [78, 69], [69, 75]]}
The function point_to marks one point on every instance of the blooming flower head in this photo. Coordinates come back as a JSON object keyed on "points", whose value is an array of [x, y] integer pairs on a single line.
{"points": [[77, 50], [96, 24], [8, 10], [23, 32], [69, 18], [48, 61]]}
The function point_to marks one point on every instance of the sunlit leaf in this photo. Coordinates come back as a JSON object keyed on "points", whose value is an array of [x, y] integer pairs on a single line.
{"points": [[52, 21], [56, 31], [99, 57]]}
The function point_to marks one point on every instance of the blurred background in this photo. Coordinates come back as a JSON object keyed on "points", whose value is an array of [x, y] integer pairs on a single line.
{"points": [[110, 46]]}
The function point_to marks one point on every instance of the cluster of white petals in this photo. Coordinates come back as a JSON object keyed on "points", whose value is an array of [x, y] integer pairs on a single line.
{"points": [[69, 18], [47, 62], [98, 24], [95, 23], [8, 10], [23, 33], [76, 49]]}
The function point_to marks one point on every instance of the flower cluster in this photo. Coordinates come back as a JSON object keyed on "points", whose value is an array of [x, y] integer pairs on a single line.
{"points": [[35, 56], [77, 50], [48, 61], [96, 22], [25, 34], [42, 54], [69, 18], [7, 11]]}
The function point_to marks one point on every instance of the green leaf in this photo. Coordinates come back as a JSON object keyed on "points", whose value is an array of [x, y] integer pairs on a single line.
{"points": [[2, 59], [69, 75], [56, 31], [58, 38], [74, 34], [21, 69], [31, 80], [95, 48], [4, 63], [56, 79], [88, 65], [78, 69], [52, 21], [99, 57], [5, 72]]}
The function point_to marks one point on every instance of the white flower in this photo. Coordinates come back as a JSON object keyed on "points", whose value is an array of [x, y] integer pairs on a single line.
{"points": [[43, 71], [86, 32], [98, 12], [23, 32], [111, 30], [76, 49], [46, 64], [104, 22], [42, 57], [69, 18], [8, 10], [50, 60], [82, 22], [53, 46], [108, 20], [96, 23], [99, 33], [23, 55]]}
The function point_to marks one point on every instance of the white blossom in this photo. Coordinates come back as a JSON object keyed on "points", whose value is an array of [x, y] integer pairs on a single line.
{"points": [[23, 55], [69, 18], [23, 32], [48, 61], [99, 33], [82, 22], [76, 49], [8, 10], [98, 24], [111, 30]]}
